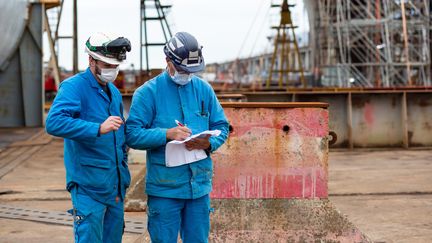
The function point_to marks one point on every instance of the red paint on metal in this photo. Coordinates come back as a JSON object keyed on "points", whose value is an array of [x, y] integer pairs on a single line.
{"points": [[321, 183], [291, 183], [368, 114], [315, 118], [260, 160]]}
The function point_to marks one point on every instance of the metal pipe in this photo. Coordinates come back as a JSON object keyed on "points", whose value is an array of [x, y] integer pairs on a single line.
{"points": [[74, 37], [405, 37], [145, 36], [141, 29]]}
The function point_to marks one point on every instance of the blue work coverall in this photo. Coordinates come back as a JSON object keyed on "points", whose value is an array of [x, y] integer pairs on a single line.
{"points": [[178, 196], [97, 173]]}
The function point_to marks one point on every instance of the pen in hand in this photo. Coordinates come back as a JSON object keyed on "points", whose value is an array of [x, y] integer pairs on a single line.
{"points": [[179, 123], [179, 133]]}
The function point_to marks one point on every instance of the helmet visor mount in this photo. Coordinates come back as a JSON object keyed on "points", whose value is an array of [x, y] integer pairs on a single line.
{"points": [[185, 52], [114, 49], [194, 60]]}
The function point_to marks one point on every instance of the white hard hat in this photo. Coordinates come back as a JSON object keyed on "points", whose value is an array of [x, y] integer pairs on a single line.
{"points": [[108, 48]]}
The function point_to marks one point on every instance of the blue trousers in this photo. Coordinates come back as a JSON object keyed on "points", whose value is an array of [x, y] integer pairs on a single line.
{"points": [[168, 216], [94, 221]]}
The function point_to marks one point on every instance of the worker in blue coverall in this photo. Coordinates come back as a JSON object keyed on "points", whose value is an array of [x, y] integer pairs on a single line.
{"points": [[88, 113], [178, 197]]}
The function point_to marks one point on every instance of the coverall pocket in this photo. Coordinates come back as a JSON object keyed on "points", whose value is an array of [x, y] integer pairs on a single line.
{"points": [[95, 172], [82, 224], [202, 120], [78, 216]]}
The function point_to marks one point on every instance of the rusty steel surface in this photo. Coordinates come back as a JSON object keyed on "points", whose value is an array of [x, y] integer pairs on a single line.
{"points": [[330, 90], [274, 105], [368, 118], [419, 109], [273, 153], [376, 120]]}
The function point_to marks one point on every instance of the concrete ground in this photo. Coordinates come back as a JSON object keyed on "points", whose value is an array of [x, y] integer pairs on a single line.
{"points": [[39, 183], [387, 194]]}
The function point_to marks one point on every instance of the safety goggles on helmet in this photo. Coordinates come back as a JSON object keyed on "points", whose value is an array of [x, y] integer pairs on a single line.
{"points": [[113, 49], [185, 53]]}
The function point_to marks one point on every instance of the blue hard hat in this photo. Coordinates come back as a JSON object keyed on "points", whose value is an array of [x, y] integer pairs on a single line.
{"points": [[185, 52]]}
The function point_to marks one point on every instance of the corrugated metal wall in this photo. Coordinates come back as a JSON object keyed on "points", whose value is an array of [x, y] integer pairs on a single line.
{"points": [[21, 98]]}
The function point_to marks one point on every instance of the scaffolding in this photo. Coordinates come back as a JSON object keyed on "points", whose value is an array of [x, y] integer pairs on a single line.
{"points": [[288, 61], [53, 12], [152, 12], [372, 43], [51, 22]]}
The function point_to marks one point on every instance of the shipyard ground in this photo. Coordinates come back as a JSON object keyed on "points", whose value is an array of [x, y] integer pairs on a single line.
{"points": [[387, 194]]}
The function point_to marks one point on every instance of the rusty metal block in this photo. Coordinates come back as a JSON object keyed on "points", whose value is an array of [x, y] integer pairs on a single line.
{"points": [[273, 153], [270, 177]]}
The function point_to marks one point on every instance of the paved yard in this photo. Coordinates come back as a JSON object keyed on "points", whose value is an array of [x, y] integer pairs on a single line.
{"points": [[387, 194]]}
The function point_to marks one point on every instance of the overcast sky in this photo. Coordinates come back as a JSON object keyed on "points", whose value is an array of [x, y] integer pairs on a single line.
{"points": [[227, 29]]}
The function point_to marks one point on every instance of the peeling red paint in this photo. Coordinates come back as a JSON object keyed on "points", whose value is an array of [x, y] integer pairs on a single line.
{"points": [[304, 121], [291, 183], [260, 160]]}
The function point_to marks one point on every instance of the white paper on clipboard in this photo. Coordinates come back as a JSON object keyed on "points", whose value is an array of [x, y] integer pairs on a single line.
{"points": [[176, 153]]}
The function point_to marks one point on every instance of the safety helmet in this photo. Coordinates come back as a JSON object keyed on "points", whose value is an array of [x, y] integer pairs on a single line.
{"points": [[108, 48], [185, 52]]}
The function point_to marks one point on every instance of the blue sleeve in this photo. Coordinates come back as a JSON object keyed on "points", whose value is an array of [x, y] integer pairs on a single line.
{"points": [[139, 134], [63, 118], [217, 121]]}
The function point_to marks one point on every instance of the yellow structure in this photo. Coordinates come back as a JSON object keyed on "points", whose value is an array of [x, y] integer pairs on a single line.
{"points": [[50, 3], [289, 51]]}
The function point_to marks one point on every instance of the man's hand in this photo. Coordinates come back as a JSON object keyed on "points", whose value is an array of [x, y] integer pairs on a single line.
{"points": [[178, 133], [198, 143], [112, 123]]}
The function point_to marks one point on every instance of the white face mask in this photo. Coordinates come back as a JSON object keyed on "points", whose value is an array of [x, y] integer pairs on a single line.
{"points": [[181, 79], [108, 75]]}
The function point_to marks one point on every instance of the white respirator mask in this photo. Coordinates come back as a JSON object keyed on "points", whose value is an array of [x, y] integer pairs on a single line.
{"points": [[108, 75], [181, 78]]}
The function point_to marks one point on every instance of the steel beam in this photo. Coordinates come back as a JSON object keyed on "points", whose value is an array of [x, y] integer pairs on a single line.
{"points": [[369, 118]]}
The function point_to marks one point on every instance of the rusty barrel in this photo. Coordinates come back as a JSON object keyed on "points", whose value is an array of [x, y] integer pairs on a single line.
{"points": [[270, 179]]}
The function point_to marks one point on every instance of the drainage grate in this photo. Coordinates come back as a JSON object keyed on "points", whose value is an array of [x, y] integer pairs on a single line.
{"points": [[60, 218]]}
